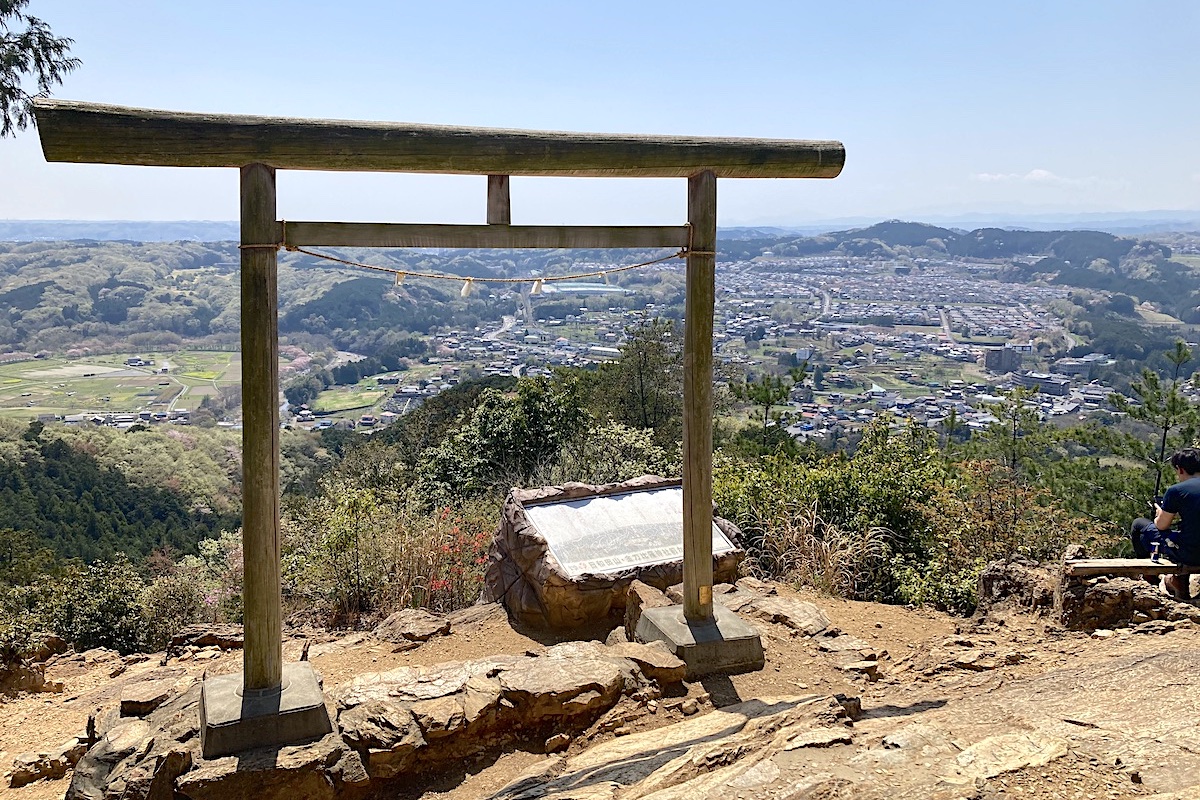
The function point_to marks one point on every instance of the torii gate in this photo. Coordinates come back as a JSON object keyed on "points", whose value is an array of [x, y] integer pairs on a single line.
{"points": [[270, 703]]}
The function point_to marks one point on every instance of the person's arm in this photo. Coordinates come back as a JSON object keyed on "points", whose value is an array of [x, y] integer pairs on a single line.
{"points": [[1166, 510], [1163, 519]]}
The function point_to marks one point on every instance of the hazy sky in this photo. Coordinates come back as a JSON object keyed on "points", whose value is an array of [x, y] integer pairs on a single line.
{"points": [[944, 107]]}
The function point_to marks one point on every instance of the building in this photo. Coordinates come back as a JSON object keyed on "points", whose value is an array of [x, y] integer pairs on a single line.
{"points": [[1045, 383], [1001, 359]]}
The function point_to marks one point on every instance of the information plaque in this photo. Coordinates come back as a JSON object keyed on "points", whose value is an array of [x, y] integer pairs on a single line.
{"points": [[612, 533]]}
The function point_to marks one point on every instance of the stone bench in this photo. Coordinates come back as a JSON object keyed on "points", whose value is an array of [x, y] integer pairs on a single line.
{"points": [[1085, 600]]}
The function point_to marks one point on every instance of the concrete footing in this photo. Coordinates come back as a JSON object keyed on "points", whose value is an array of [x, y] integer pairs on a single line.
{"points": [[233, 720], [725, 643]]}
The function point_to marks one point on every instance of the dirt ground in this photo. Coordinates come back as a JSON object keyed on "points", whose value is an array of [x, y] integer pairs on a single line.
{"points": [[926, 660]]}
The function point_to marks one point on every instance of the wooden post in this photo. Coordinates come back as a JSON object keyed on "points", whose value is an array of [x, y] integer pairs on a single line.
{"points": [[697, 399], [263, 653], [499, 202]]}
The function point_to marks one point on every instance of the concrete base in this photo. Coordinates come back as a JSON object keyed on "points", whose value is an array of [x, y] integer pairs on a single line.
{"points": [[724, 644], [232, 720]]}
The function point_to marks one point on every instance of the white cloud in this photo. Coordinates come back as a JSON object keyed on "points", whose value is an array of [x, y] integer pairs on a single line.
{"points": [[1039, 177]]}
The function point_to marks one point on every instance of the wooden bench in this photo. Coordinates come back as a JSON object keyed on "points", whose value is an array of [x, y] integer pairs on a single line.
{"points": [[1130, 567]]}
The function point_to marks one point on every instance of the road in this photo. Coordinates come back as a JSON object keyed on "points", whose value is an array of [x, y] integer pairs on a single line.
{"points": [[509, 322]]}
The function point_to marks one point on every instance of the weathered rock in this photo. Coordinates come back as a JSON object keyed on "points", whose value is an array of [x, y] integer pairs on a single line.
{"points": [[141, 697], [52, 765], [662, 762], [1103, 602], [758, 587], [322, 770], [798, 615], [639, 597], [843, 644], [480, 697], [562, 687], [655, 660], [441, 716], [226, 637], [557, 743], [1018, 581], [49, 647], [1008, 752], [24, 676], [868, 668], [100, 655], [818, 737], [386, 733], [616, 636], [412, 625], [94, 771], [473, 615]]}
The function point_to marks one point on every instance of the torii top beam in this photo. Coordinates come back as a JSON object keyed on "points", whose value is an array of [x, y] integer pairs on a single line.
{"points": [[106, 134]]}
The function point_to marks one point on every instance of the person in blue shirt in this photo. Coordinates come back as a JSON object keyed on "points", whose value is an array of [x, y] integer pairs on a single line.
{"points": [[1181, 501]]}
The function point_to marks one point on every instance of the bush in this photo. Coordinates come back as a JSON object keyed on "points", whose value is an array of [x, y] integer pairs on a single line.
{"points": [[171, 602], [894, 522], [93, 606], [357, 552]]}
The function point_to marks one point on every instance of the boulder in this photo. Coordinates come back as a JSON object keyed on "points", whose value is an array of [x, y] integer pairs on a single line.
{"points": [[30, 767], [1017, 581], [321, 770], [48, 648], [385, 733], [641, 596], [226, 637], [25, 676], [655, 660], [412, 625], [562, 687], [538, 591], [798, 615], [141, 697]]}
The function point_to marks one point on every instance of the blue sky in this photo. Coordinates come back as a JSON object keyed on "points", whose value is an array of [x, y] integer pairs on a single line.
{"points": [[945, 108]]}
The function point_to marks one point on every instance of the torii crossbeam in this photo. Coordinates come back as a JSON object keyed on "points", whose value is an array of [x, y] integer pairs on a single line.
{"points": [[271, 704]]}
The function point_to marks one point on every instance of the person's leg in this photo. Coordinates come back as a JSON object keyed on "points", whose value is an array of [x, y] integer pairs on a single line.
{"points": [[1178, 586], [1142, 535], [1138, 536]]}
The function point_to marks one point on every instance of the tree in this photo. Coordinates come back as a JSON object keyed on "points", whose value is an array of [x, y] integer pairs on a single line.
{"points": [[28, 53], [1164, 407], [767, 392], [643, 389]]}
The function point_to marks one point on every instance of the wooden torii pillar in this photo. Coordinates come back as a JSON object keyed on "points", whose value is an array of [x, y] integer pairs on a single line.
{"points": [[272, 703]]}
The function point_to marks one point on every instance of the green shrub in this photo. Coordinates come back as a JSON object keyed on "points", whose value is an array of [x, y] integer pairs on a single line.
{"points": [[94, 606], [171, 602]]}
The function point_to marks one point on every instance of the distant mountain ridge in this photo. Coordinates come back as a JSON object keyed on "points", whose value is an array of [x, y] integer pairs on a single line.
{"points": [[16, 230]]}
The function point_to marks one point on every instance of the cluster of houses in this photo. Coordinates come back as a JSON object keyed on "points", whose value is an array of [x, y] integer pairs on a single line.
{"points": [[122, 420]]}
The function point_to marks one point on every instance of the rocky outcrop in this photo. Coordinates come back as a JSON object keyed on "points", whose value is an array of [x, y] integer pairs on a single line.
{"points": [[390, 724], [1104, 602], [158, 758], [25, 676], [414, 717], [225, 637], [680, 760], [1020, 582], [30, 767]]}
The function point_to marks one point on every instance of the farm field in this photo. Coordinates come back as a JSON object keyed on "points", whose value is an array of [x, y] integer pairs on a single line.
{"points": [[106, 384]]}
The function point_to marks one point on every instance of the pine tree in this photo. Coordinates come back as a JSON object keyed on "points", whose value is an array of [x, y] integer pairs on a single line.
{"points": [[29, 53]]}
